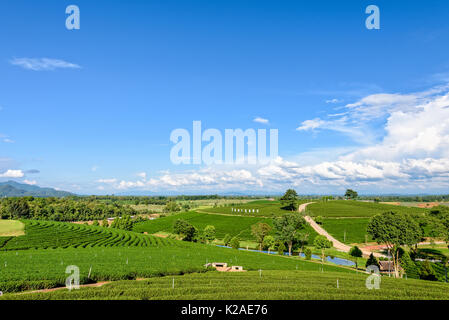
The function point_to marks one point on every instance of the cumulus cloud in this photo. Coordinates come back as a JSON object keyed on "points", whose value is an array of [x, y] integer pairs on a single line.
{"points": [[30, 182], [261, 120], [412, 153], [12, 174], [43, 64]]}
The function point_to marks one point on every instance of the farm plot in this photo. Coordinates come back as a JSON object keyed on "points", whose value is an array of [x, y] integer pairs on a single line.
{"points": [[292, 285], [224, 224], [347, 230], [37, 269], [265, 208], [342, 208], [49, 234], [11, 228]]}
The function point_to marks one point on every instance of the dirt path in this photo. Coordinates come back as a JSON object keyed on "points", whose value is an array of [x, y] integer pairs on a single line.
{"points": [[90, 285], [337, 244]]}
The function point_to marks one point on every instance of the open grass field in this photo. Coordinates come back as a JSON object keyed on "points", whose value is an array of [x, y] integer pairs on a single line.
{"points": [[251, 286], [11, 228], [353, 228], [224, 224], [266, 208], [49, 234], [37, 269], [348, 208]]}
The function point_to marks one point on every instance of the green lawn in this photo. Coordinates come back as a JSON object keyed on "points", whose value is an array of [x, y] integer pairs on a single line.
{"points": [[291, 285], [342, 208], [11, 228]]}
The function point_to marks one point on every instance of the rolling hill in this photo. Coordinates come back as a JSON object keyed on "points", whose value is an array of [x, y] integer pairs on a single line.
{"points": [[15, 189]]}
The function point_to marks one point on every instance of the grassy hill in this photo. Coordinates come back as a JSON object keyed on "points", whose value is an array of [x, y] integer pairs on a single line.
{"points": [[50, 234], [348, 208], [224, 224], [266, 208], [290, 284]]}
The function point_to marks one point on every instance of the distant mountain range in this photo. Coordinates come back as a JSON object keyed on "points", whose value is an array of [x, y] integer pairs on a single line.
{"points": [[15, 189]]}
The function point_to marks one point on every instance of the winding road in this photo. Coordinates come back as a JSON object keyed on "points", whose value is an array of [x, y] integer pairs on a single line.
{"points": [[340, 246]]}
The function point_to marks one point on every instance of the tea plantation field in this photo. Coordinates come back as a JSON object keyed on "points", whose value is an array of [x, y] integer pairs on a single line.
{"points": [[224, 224], [45, 268], [348, 208], [354, 228], [289, 284], [49, 234], [266, 208]]}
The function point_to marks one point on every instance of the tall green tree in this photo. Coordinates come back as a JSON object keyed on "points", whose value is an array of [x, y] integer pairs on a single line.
{"points": [[356, 253], [289, 200], [372, 261], [185, 229], [209, 233], [351, 194], [321, 243], [287, 228], [394, 230], [260, 230]]}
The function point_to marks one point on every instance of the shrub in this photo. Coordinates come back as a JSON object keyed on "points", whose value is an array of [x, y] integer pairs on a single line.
{"points": [[426, 272], [281, 248], [227, 239], [235, 243]]}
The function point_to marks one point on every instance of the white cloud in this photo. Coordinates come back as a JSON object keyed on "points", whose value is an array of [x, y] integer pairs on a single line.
{"points": [[30, 182], [333, 101], [107, 181], [261, 120], [411, 154], [43, 64], [311, 124], [142, 175], [12, 174]]}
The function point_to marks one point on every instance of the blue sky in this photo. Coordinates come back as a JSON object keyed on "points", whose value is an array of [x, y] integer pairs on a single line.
{"points": [[98, 118]]}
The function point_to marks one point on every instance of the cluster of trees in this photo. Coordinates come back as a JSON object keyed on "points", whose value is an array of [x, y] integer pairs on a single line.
{"points": [[396, 230], [188, 232], [61, 209]]}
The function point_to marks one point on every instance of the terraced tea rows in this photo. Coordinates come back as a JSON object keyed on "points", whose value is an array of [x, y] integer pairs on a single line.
{"points": [[36, 269], [255, 286], [49, 234]]}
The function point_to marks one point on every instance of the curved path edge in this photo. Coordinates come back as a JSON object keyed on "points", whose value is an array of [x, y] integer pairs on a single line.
{"points": [[337, 244]]}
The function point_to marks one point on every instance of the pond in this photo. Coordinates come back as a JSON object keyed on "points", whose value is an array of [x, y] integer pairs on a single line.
{"points": [[335, 260]]}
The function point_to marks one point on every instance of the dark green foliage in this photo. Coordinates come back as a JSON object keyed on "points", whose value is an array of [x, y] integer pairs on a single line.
{"points": [[410, 268], [227, 239], [66, 209], [16, 208], [185, 229], [287, 228], [372, 261], [123, 223], [281, 248], [235, 243], [289, 200], [426, 272], [355, 252], [308, 254], [351, 194]]}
